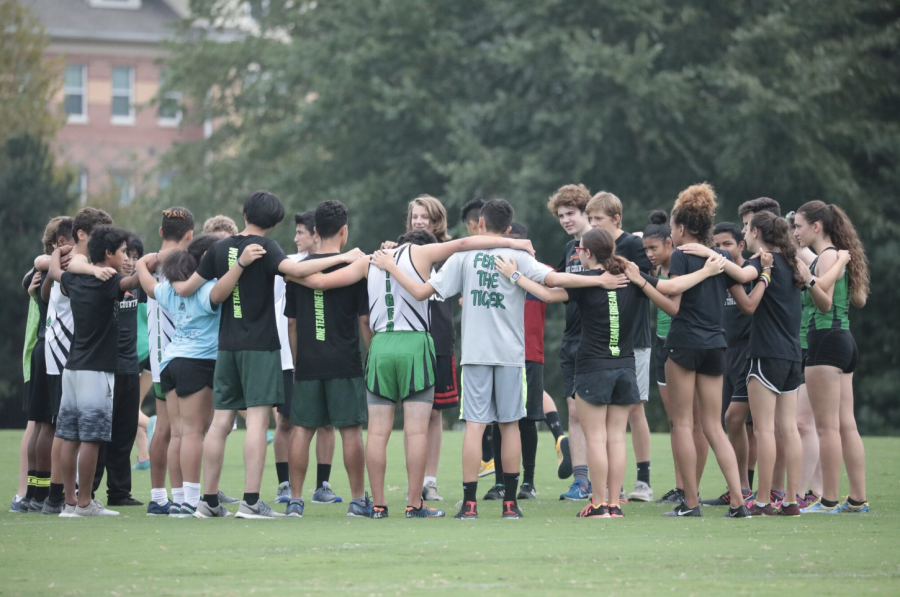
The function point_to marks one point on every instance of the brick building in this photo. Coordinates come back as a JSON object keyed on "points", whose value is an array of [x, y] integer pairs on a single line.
{"points": [[114, 62]]}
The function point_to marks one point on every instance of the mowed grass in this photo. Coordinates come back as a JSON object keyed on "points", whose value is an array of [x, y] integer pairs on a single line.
{"points": [[547, 552]]}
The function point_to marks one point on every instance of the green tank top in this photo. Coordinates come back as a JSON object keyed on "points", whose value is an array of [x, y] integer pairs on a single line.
{"points": [[808, 309], [838, 318], [663, 321]]}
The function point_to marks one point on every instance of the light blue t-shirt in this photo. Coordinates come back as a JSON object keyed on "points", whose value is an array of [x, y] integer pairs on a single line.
{"points": [[196, 323]]}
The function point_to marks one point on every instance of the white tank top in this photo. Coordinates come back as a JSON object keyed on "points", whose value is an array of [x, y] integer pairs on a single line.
{"points": [[391, 308], [287, 360], [160, 330], [60, 329]]}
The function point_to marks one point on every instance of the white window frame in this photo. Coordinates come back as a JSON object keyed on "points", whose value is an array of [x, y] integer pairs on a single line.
{"points": [[83, 117], [128, 186], [129, 4], [122, 120], [175, 96]]}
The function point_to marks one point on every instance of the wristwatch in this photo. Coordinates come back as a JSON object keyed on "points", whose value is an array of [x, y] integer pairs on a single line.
{"points": [[515, 276], [811, 283]]}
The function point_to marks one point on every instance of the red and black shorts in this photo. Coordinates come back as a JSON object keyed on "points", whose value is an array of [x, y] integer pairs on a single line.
{"points": [[446, 388]]}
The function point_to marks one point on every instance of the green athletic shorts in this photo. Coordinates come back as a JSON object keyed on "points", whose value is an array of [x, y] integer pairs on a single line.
{"points": [[319, 402], [247, 378], [400, 364]]}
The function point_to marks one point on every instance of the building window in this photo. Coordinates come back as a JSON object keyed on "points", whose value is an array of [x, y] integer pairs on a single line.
{"points": [[75, 91], [123, 186], [169, 113], [130, 4], [122, 95]]}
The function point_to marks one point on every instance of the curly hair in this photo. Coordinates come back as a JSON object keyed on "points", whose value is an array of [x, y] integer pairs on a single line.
{"points": [[838, 227], [602, 246], [775, 233], [220, 223], [52, 232], [695, 209], [436, 213], [570, 195]]}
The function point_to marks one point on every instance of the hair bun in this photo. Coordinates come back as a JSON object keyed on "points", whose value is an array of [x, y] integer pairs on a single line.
{"points": [[659, 216], [698, 197]]}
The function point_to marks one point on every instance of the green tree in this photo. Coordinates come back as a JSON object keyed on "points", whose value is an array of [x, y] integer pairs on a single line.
{"points": [[374, 102]]}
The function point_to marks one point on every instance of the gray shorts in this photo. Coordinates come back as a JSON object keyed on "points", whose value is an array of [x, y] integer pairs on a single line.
{"points": [[642, 358], [493, 394], [86, 406], [426, 395]]}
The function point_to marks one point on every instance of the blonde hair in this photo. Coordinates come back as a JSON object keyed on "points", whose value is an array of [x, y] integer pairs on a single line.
{"points": [[607, 203], [570, 195], [436, 213], [220, 223]]}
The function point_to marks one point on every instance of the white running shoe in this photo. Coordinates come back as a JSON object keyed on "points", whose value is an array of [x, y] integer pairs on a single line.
{"points": [[95, 508], [642, 493], [68, 511], [261, 510]]}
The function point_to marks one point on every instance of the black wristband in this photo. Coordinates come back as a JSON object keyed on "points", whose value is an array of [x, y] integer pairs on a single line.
{"points": [[241, 264]]}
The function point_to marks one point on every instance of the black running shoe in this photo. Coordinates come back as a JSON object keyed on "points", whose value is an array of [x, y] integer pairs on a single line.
{"points": [[741, 511], [497, 492], [126, 501], [673, 496], [511, 510], [682, 510], [379, 512], [469, 511], [527, 492]]}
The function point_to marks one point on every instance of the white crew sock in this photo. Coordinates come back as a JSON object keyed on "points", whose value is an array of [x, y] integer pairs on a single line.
{"points": [[192, 494], [159, 496], [178, 495], [427, 479]]}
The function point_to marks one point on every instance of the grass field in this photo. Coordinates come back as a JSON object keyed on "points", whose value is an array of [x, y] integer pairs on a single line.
{"points": [[547, 552]]}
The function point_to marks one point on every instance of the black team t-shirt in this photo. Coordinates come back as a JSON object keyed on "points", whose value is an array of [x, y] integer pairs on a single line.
{"points": [[327, 327], [95, 339], [571, 264], [442, 329], [775, 326], [128, 356], [735, 322], [698, 324], [607, 324], [248, 314], [632, 248]]}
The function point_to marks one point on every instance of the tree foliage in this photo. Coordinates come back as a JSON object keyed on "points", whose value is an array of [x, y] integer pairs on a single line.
{"points": [[376, 101]]}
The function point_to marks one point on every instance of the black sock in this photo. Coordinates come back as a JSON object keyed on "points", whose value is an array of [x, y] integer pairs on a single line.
{"points": [[750, 473], [552, 420], [854, 502], [284, 474], [56, 492], [251, 498], [511, 484], [487, 449], [29, 491], [828, 503], [212, 499], [42, 485], [529, 434], [644, 472], [497, 441], [470, 490], [323, 473]]}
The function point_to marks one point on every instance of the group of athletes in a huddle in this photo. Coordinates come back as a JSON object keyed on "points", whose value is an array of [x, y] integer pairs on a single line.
{"points": [[225, 322]]}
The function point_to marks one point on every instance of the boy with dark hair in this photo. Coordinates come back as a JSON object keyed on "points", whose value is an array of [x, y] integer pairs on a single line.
{"points": [[176, 230], [329, 390], [88, 384], [757, 205], [248, 367], [568, 205], [469, 215]]}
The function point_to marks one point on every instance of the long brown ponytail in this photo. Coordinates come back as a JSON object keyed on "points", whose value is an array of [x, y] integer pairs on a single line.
{"points": [[776, 234], [602, 246]]}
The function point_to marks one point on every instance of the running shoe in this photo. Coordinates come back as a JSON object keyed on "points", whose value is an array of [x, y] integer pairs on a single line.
{"points": [[151, 427], [819, 508], [270, 438], [591, 511], [283, 495], [616, 512], [801, 501], [154, 509], [16, 504], [187, 511], [325, 495], [764, 510], [378, 512], [527, 492], [511, 510], [52, 509], [430, 493], [204, 510], [578, 492], [468, 511], [226, 499], [789, 509], [623, 499], [424, 512], [94, 508], [725, 499], [776, 498], [68, 511], [563, 458], [295, 508], [681, 510], [497, 492], [34, 507], [741, 511], [642, 492], [487, 468], [851, 509], [141, 465], [673, 496], [174, 510], [811, 497], [361, 511], [259, 511], [126, 502]]}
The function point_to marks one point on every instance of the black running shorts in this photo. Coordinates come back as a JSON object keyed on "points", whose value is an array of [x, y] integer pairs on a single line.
{"points": [[568, 353], [835, 348], [446, 387], [705, 361], [737, 365], [777, 375], [187, 376], [617, 387], [38, 388], [659, 360], [534, 399]]}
